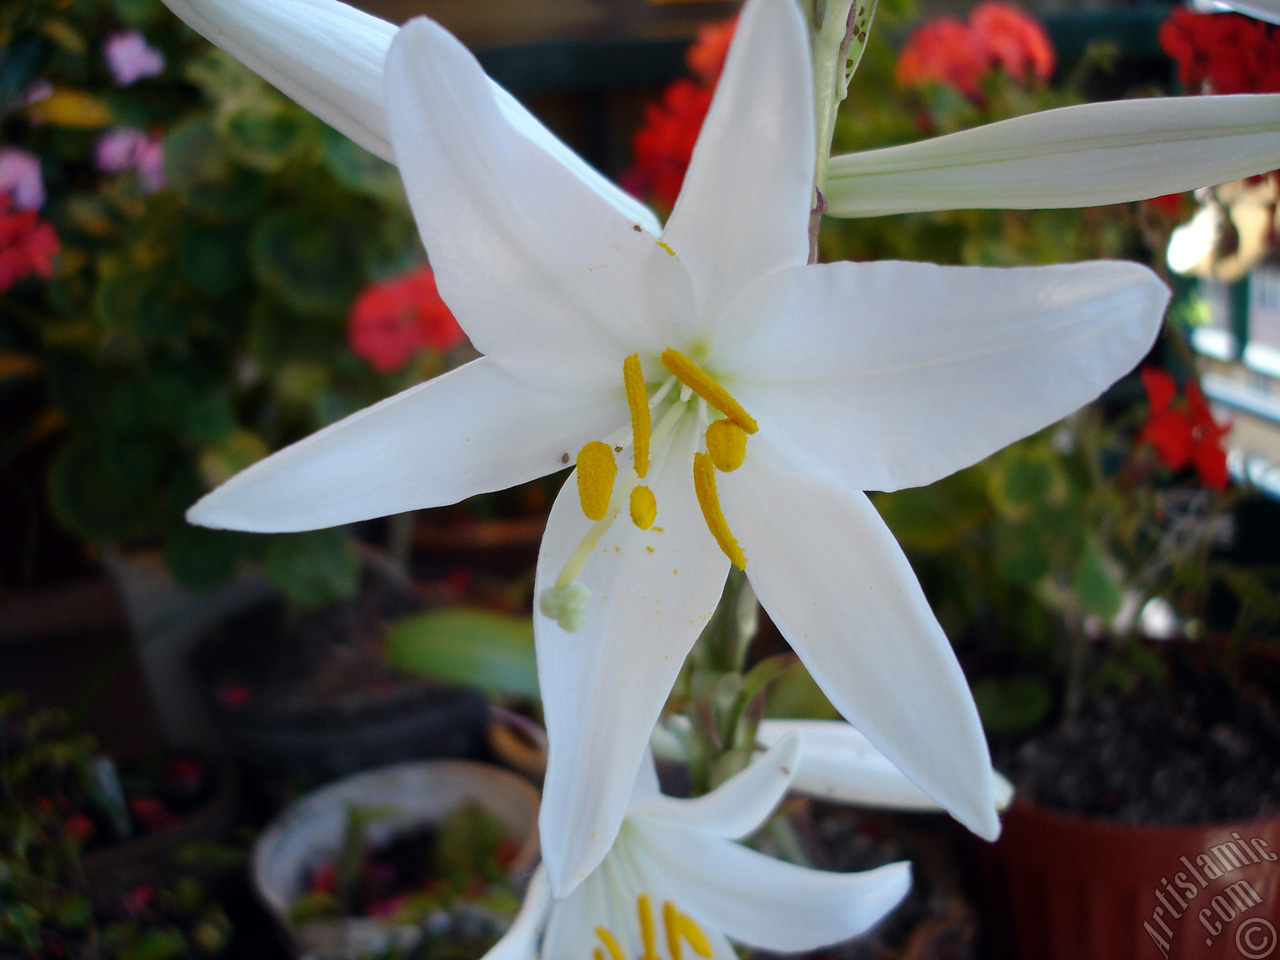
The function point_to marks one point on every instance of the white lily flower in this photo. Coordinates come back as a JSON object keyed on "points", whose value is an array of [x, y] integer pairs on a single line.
{"points": [[836, 763], [656, 360], [1268, 10], [1080, 156], [676, 884], [330, 58]]}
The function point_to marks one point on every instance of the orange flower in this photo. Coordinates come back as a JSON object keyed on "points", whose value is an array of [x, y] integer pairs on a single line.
{"points": [[705, 56]]}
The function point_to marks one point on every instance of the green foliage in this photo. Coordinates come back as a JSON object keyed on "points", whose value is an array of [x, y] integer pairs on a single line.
{"points": [[189, 330], [478, 648]]}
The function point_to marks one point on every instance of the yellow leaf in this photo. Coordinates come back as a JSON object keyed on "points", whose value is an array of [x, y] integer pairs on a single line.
{"points": [[66, 107], [13, 365]]}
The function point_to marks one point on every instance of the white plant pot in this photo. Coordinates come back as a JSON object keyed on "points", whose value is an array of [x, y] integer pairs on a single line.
{"points": [[310, 832]]}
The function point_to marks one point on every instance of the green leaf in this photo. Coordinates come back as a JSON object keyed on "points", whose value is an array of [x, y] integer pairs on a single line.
{"points": [[212, 259], [307, 260], [477, 648], [264, 136], [313, 569], [200, 559], [1098, 582], [359, 170], [101, 491], [1012, 704], [467, 845], [795, 694], [155, 944]]}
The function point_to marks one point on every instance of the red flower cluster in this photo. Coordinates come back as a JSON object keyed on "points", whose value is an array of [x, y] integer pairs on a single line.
{"points": [[663, 146], [1222, 52], [961, 55], [1184, 435], [392, 321], [27, 245]]}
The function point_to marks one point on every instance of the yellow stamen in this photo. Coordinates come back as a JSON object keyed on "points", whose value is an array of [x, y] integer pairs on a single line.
{"points": [[597, 954], [671, 924], [697, 380], [727, 444], [645, 909], [638, 401], [597, 469], [644, 508], [693, 933], [704, 485], [611, 944]]}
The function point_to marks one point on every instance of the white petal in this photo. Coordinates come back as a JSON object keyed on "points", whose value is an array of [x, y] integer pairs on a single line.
{"points": [[837, 585], [766, 903], [549, 281], [1268, 10], [744, 207], [604, 686], [894, 374], [839, 764], [520, 942], [1078, 156], [329, 57], [738, 806], [471, 431], [326, 55]]}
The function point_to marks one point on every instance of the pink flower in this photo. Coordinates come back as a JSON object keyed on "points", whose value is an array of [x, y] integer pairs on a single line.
{"points": [[130, 58], [20, 178], [392, 321], [125, 148]]}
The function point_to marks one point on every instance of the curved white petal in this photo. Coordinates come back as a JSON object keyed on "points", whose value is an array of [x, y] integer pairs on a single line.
{"points": [[520, 942], [738, 806], [766, 903], [837, 585], [326, 55], [1268, 10], [329, 57], [744, 207], [473, 430], [549, 281], [839, 764], [603, 686], [977, 357], [1079, 156]]}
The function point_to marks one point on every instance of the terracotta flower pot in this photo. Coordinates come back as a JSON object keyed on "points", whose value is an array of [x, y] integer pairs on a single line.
{"points": [[1076, 888]]}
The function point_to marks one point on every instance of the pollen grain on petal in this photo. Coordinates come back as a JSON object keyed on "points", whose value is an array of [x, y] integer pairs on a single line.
{"points": [[704, 485], [597, 469], [638, 401], [727, 444], [701, 383]]}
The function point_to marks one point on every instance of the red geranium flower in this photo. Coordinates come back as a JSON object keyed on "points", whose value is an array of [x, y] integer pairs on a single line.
{"points": [[961, 55], [392, 321], [27, 245], [1222, 52], [1185, 435], [663, 146]]}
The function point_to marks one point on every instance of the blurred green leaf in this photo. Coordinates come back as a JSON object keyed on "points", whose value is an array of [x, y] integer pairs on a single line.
{"points": [[1012, 704], [222, 461], [199, 558], [1098, 581], [307, 260], [99, 488], [212, 259], [478, 648], [157, 943], [793, 693], [359, 170], [315, 568], [263, 136], [467, 846]]}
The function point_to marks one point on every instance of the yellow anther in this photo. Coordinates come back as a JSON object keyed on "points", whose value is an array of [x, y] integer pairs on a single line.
{"points": [[693, 933], [671, 924], [727, 444], [704, 485], [697, 380], [638, 401], [644, 508], [645, 909], [597, 469], [611, 944], [597, 954]]}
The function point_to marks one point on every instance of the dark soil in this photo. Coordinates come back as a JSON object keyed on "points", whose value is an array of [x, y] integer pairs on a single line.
{"points": [[1194, 749]]}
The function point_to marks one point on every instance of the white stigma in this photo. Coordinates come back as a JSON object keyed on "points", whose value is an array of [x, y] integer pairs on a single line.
{"points": [[566, 605]]}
